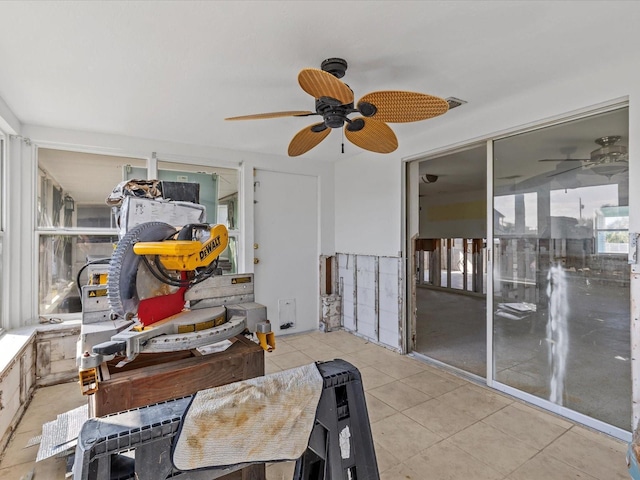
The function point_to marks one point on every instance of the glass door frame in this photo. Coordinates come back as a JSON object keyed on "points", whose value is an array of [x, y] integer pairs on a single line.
{"points": [[634, 219], [409, 215]]}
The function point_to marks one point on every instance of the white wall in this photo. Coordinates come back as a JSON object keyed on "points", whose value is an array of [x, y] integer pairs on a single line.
{"points": [[9, 123], [368, 210], [454, 216]]}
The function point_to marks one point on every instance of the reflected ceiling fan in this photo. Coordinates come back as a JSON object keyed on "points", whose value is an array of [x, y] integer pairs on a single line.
{"points": [[334, 102], [608, 160]]}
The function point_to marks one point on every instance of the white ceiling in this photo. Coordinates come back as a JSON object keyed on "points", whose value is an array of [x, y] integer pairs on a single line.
{"points": [[174, 70]]}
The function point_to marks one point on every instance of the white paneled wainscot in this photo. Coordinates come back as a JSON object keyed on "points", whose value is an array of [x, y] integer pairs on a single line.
{"points": [[372, 293]]}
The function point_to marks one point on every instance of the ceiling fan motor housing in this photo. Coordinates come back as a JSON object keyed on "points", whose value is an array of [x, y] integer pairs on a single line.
{"points": [[335, 66], [609, 151], [334, 116]]}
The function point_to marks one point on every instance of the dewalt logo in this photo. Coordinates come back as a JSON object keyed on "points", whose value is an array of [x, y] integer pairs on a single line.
{"points": [[209, 247]]}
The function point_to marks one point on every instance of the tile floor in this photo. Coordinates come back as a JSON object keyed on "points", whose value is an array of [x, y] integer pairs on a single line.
{"points": [[451, 328], [426, 423]]}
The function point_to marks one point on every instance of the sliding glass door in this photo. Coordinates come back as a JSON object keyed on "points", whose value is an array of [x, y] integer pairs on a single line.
{"points": [[561, 294]]}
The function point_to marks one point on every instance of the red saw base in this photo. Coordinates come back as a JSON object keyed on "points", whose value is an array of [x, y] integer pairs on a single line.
{"points": [[154, 309]]}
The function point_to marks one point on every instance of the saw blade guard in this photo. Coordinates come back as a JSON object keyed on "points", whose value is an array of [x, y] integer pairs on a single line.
{"points": [[122, 291]]}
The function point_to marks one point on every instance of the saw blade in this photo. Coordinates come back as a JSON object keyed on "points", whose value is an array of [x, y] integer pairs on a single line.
{"points": [[125, 284]]}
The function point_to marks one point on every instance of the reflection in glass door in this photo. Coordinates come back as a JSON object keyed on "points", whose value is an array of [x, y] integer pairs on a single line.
{"points": [[561, 296], [451, 273]]}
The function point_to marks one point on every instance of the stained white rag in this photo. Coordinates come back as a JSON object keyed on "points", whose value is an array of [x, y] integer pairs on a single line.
{"points": [[263, 419]]}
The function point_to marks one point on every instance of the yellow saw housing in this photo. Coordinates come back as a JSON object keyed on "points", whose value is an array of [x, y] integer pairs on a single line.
{"points": [[187, 255]]}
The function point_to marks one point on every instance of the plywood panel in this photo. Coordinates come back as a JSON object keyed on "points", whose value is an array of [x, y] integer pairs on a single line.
{"points": [[390, 301], [9, 396], [346, 272], [366, 296], [155, 383]]}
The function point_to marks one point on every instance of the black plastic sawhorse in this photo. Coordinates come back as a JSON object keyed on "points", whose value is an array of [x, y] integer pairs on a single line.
{"points": [[340, 445]]}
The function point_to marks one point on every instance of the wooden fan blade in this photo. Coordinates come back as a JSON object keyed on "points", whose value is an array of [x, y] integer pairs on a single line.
{"points": [[319, 83], [260, 116], [398, 107], [306, 139], [375, 136]]}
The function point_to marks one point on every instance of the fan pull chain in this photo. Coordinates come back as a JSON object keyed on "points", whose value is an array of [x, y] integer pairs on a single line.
{"points": [[342, 140]]}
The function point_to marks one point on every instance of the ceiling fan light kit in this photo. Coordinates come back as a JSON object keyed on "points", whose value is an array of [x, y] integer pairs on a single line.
{"points": [[334, 102]]}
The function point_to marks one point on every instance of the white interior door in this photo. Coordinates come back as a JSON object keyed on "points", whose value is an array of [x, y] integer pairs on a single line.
{"points": [[287, 253]]}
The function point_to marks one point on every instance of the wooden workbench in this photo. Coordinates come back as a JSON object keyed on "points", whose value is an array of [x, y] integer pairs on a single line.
{"points": [[153, 378]]}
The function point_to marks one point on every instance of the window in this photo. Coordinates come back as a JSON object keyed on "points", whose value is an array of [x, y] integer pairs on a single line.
{"points": [[74, 224], [504, 214], [612, 230]]}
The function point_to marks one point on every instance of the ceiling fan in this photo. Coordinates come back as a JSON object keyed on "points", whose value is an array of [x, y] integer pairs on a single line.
{"points": [[608, 160], [334, 102]]}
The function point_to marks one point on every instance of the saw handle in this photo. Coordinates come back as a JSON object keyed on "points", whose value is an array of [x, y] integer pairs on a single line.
{"points": [[109, 348], [186, 233]]}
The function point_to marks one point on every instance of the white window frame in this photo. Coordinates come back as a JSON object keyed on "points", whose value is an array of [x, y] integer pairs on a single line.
{"points": [[62, 231], [3, 206]]}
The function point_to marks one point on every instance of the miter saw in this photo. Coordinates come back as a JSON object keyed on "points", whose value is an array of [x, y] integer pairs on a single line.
{"points": [[162, 294]]}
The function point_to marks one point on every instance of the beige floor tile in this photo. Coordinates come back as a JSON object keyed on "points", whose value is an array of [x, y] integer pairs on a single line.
{"points": [[530, 426], [362, 359], [452, 377], [445, 461], [281, 348], [400, 367], [377, 409], [599, 457], [271, 367], [301, 343], [374, 355], [432, 384], [67, 396], [548, 416], [600, 438], [475, 401], [348, 347], [50, 469], [402, 472], [440, 417], [399, 395], [315, 334], [16, 472], [402, 437], [37, 416], [17, 452], [292, 360], [280, 471], [385, 459], [544, 466], [355, 361], [322, 353], [345, 341], [374, 378], [33, 422], [489, 445]]}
